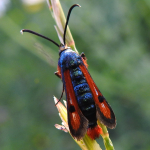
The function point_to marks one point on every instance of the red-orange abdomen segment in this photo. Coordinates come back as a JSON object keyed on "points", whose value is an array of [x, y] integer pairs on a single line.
{"points": [[95, 132]]}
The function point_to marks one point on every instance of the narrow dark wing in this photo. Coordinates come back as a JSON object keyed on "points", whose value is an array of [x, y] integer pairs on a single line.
{"points": [[77, 122], [104, 112]]}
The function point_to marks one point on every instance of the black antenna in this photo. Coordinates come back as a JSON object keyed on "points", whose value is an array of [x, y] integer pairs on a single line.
{"points": [[69, 12], [30, 31]]}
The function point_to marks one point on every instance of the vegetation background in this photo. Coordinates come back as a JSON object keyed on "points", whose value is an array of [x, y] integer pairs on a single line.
{"points": [[114, 35]]}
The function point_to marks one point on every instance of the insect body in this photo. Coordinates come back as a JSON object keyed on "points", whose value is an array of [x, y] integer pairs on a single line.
{"points": [[80, 102], [85, 103]]}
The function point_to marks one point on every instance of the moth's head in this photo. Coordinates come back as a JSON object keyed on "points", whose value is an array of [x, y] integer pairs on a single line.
{"points": [[62, 47]]}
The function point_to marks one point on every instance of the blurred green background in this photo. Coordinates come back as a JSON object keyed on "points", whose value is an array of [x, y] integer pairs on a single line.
{"points": [[114, 35]]}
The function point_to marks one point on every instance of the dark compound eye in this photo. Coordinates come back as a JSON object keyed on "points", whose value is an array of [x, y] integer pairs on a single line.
{"points": [[71, 109]]}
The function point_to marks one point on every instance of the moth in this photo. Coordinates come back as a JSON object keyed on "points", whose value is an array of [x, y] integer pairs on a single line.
{"points": [[85, 102]]}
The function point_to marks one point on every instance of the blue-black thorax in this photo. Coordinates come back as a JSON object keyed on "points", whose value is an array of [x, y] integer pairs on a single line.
{"points": [[71, 60]]}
